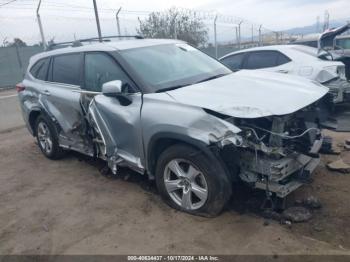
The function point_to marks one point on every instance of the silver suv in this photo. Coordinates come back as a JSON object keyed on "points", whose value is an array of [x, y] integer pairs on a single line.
{"points": [[168, 111]]}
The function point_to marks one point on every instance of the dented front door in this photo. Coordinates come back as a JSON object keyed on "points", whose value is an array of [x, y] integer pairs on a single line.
{"points": [[118, 124], [116, 119]]}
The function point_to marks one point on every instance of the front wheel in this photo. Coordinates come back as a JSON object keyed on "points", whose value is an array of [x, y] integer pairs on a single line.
{"points": [[189, 182]]}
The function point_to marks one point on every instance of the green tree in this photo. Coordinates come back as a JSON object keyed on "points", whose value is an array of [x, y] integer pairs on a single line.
{"points": [[17, 42], [174, 23]]}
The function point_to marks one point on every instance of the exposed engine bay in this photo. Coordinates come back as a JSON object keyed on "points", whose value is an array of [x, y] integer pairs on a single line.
{"points": [[277, 153]]}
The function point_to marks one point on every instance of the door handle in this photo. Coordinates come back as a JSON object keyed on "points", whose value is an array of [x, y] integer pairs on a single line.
{"points": [[46, 92], [283, 71]]}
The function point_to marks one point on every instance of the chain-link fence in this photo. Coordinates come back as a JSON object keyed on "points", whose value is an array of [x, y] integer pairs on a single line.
{"points": [[13, 63], [225, 33]]}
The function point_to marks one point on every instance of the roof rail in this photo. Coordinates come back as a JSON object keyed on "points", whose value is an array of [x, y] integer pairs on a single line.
{"points": [[79, 42]]}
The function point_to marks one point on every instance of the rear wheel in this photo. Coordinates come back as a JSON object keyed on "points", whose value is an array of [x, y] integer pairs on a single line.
{"points": [[189, 182], [47, 138]]}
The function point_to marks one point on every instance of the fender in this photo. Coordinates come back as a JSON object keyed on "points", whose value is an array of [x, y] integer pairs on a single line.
{"points": [[210, 151], [34, 113]]}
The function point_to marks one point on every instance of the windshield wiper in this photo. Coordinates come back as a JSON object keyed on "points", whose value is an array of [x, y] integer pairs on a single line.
{"points": [[171, 88], [179, 86], [210, 78]]}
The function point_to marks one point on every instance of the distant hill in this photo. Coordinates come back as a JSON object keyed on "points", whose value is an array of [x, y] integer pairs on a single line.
{"points": [[310, 29]]}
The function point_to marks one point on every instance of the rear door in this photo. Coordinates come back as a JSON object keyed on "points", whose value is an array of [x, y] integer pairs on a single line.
{"points": [[62, 97]]}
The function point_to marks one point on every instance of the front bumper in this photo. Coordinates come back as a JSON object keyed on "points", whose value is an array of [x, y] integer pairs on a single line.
{"points": [[280, 176], [347, 94], [340, 90]]}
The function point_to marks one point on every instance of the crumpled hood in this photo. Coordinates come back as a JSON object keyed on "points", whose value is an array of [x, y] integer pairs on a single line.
{"points": [[327, 37], [251, 94]]}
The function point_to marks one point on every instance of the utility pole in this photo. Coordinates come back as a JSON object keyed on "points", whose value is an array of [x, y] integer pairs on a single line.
{"points": [[97, 21], [117, 18], [215, 40], [40, 26]]}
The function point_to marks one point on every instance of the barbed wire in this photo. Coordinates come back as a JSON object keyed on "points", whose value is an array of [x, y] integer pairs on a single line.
{"points": [[201, 14], [78, 12]]}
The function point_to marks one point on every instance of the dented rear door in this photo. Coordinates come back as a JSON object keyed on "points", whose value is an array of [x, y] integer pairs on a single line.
{"points": [[61, 92]]}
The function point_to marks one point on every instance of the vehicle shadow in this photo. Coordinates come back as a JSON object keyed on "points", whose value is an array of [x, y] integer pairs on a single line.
{"points": [[244, 200]]}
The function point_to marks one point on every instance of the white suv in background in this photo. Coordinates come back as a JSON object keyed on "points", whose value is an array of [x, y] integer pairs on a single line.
{"points": [[297, 60]]}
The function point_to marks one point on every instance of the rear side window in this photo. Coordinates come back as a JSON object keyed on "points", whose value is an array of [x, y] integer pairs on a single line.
{"points": [[101, 68], [265, 59], [39, 69], [66, 69], [234, 62], [282, 59]]}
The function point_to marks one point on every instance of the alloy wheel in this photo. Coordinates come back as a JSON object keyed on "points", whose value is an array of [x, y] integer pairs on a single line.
{"points": [[185, 184], [44, 137]]}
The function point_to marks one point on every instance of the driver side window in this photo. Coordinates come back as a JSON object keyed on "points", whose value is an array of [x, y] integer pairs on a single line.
{"points": [[101, 68]]}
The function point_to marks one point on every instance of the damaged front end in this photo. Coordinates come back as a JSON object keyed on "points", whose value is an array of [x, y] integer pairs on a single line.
{"points": [[334, 78], [339, 90], [276, 153]]}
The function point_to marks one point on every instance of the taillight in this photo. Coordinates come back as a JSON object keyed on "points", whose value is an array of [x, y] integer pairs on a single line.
{"points": [[20, 87]]}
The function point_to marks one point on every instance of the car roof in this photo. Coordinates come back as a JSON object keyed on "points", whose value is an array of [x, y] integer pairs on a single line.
{"points": [[106, 46], [299, 53], [291, 50]]}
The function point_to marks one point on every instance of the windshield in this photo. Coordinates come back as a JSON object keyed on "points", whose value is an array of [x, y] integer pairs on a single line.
{"points": [[171, 66]]}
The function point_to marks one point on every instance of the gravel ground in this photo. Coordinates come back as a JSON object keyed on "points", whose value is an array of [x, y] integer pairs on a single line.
{"points": [[68, 207]]}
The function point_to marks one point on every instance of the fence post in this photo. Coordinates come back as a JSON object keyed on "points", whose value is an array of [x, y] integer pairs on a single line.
{"points": [[40, 26], [260, 36], [239, 35], [215, 40], [97, 21], [117, 18]]}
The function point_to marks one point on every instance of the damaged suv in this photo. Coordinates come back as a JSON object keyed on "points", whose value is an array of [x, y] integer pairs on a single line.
{"points": [[168, 111]]}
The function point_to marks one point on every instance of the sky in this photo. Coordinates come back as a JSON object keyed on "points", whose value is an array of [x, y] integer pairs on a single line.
{"points": [[68, 19]]}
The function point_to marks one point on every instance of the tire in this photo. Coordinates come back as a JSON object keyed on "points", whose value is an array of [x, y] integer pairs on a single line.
{"points": [[47, 138], [189, 181]]}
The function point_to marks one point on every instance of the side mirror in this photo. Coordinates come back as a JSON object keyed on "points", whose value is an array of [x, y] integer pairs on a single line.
{"points": [[112, 88]]}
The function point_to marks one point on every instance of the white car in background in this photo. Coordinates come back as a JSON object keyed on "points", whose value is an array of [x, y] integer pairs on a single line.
{"points": [[297, 60]]}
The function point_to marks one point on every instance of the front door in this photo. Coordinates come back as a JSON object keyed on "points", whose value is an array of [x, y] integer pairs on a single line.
{"points": [[116, 119]]}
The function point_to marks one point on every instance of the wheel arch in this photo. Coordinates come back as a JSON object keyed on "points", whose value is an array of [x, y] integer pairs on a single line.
{"points": [[33, 116], [161, 141]]}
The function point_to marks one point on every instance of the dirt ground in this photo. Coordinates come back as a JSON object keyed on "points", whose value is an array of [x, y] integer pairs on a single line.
{"points": [[68, 207]]}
